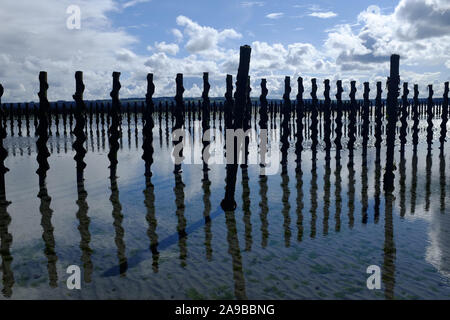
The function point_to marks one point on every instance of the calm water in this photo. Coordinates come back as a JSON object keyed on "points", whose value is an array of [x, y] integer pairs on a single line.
{"points": [[308, 235]]}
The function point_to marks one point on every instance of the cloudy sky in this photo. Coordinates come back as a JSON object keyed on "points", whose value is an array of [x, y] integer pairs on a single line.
{"points": [[348, 40]]}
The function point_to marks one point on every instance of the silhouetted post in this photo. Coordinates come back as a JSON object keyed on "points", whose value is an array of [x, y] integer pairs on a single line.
{"points": [[42, 129], [404, 116], [205, 119], [444, 116], [263, 118], [430, 117], [378, 117], [80, 109], [228, 203], [247, 120], [327, 118], [285, 123], [339, 109], [179, 121], [365, 118], [352, 120], [114, 129], [3, 153], [229, 103], [415, 115], [19, 118], [147, 131], [392, 104], [300, 106], [314, 120], [27, 118]]}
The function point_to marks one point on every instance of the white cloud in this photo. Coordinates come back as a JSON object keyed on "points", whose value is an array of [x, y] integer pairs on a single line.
{"points": [[275, 15], [170, 48], [132, 3], [323, 15], [177, 34], [203, 39]]}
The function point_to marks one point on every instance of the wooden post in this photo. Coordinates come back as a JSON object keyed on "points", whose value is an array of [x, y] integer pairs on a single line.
{"points": [[147, 131], [228, 203], [80, 136], [444, 116], [392, 105], [339, 109], [114, 129]]}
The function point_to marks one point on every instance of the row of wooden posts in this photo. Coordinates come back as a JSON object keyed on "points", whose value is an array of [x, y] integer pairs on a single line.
{"points": [[237, 111]]}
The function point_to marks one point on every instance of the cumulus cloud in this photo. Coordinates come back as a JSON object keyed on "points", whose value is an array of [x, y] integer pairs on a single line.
{"points": [[323, 15], [350, 52], [275, 15], [169, 48], [203, 38]]}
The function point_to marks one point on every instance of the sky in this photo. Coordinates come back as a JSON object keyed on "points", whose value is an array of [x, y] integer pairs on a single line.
{"points": [[347, 40]]}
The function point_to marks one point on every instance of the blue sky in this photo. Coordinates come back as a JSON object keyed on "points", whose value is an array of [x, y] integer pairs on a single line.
{"points": [[346, 40], [153, 20]]}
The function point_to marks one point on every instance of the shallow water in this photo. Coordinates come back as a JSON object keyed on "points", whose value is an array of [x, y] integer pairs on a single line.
{"points": [[308, 235]]}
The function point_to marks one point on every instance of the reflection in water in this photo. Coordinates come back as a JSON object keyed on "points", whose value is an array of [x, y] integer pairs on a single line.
{"points": [[47, 236], [337, 194], [351, 193], [120, 232], [313, 197], [83, 227], [429, 162], [414, 181], [364, 188], [5, 245], [442, 179], [149, 202], [206, 184], [264, 210], [377, 194], [235, 252], [327, 195], [246, 209], [181, 226], [402, 169], [388, 273], [286, 208]]}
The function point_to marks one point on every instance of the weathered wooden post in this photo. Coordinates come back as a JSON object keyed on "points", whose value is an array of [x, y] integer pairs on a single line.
{"points": [[179, 121], [314, 118], [229, 103], [147, 131], [228, 203], [430, 117], [3, 153], [378, 117], [416, 116], [352, 120], [263, 118], [113, 137], [300, 108], [339, 109], [285, 123], [444, 116], [392, 105], [80, 136], [42, 129], [404, 117], [205, 120], [327, 118], [365, 118]]}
